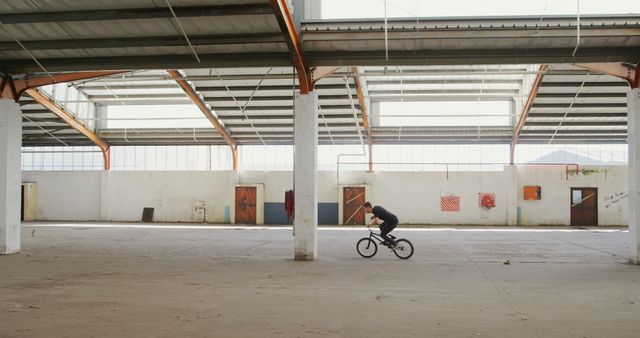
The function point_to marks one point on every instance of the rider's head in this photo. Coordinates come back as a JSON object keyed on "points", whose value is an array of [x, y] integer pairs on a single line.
{"points": [[367, 207]]}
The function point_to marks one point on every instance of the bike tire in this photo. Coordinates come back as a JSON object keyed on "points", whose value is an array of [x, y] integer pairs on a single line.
{"points": [[404, 249], [367, 247]]}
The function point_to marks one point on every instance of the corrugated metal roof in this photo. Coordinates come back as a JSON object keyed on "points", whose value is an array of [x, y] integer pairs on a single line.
{"points": [[464, 40], [142, 34], [579, 108]]}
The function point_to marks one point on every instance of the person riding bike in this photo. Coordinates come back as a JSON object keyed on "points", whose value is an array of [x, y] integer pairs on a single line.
{"points": [[389, 222]]}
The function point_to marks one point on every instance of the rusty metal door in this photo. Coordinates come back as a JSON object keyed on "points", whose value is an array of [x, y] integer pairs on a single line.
{"points": [[584, 206], [353, 198], [245, 205]]}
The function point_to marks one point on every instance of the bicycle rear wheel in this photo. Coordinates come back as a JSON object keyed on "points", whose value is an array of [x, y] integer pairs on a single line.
{"points": [[367, 247], [404, 249]]}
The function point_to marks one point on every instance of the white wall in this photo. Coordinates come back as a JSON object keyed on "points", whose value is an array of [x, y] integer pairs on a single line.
{"points": [[554, 207], [66, 195], [413, 196], [174, 195]]}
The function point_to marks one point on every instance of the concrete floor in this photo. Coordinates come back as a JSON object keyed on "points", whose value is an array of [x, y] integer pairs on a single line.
{"points": [[83, 280]]}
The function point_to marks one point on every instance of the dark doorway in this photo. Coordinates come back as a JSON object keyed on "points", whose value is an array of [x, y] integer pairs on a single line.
{"points": [[584, 206], [352, 200], [246, 205], [22, 203]]}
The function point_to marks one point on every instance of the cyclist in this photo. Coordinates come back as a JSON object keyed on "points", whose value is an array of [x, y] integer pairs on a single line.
{"points": [[389, 222]]}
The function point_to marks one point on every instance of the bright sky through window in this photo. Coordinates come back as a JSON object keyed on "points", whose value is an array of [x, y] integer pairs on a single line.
{"points": [[446, 113], [155, 116], [340, 9]]}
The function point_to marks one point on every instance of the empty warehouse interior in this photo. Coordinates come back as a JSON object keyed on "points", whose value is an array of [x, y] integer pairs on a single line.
{"points": [[201, 168]]}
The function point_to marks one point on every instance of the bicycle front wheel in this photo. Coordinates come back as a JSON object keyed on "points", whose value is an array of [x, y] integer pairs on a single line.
{"points": [[404, 249], [367, 247]]}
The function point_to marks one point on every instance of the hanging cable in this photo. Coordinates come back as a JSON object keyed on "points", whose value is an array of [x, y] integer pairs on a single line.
{"points": [[578, 30], [569, 108], [193, 50], [242, 108], [386, 33], [28, 52], [357, 123], [325, 124], [46, 131]]}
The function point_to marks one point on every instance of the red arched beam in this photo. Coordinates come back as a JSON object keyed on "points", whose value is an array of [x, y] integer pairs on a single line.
{"points": [[627, 72], [14, 88], [56, 109], [288, 28]]}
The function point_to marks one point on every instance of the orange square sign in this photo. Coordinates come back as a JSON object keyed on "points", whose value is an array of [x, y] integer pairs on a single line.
{"points": [[532, 192]]}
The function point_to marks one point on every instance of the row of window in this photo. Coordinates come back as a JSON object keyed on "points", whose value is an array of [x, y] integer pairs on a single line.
{"points": [[273, 158]]}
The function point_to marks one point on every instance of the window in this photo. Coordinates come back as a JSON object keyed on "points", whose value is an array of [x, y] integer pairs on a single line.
{"points": [[153, 116], [445, 113]]}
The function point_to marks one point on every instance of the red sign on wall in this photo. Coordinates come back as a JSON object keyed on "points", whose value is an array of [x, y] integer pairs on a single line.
{"points": [[450, 203], [482, 196]]}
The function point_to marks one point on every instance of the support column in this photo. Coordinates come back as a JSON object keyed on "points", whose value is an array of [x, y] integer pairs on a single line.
{"points": [[511, 172], [305, 177], [633, 130], [10, 171]]}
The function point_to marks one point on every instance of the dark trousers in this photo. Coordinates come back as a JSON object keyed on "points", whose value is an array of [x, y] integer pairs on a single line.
{"points": [[385, 229]]}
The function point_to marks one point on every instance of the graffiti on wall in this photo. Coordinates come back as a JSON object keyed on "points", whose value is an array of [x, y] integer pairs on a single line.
{"points": [[615, 198]]}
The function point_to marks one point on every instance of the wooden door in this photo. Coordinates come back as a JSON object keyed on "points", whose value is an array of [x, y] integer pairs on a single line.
{"points": [[584, 206], [245, 205], [353, 198]]}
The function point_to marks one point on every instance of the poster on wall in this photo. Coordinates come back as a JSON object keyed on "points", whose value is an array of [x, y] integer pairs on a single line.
{"points": [[450, 203]]}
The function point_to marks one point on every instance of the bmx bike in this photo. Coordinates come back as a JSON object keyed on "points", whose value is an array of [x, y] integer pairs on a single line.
{"points": [[367, 246]]}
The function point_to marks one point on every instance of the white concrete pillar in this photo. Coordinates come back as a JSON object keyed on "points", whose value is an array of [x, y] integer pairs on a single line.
{"points": [[511, 173], [10, 171], [633, 130], [306, 177]]}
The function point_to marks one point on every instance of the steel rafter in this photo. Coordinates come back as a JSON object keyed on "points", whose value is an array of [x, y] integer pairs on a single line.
{"points": [[525, 111], [14, 88], [288, 28], [627, 72], [365, 113], [59, 111], [195, 98]]}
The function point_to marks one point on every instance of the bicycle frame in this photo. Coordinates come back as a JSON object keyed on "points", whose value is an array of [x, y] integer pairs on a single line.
{"points": [[376, 236]]}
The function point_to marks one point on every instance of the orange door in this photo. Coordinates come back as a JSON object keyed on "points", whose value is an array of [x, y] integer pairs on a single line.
{"points": [[245, 205], [353, 198]]}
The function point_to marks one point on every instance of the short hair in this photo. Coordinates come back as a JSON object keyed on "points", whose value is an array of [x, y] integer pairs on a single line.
{"points": [[366, 205]]}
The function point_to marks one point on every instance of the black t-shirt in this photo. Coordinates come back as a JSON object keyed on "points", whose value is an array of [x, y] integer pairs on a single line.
{"points": [[384, 215]]}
